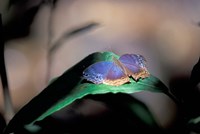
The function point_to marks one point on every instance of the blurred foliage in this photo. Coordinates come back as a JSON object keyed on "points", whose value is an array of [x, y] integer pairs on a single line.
{"points": [[188, 93], [72, 33], [19, 26], [21, 16], [2, 123]]}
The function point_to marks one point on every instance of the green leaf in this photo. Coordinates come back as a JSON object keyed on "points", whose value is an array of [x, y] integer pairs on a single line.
{"points": [[84, 89], [194, 124], [70, 86], [195, 120]]}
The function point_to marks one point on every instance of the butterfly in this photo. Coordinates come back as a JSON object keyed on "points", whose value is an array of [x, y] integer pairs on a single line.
{"points": [[118, 71]]}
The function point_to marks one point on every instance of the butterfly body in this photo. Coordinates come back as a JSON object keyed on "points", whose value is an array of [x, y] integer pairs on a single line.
{"points": [[117, 72]]}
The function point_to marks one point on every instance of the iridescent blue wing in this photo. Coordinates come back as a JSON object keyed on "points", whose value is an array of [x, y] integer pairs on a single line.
{"points": [[135, 65], [97, 72], [105, 72], [116, 76]]}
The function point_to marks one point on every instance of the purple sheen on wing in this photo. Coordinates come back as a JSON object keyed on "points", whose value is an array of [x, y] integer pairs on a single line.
{"points": [[117, 72]]}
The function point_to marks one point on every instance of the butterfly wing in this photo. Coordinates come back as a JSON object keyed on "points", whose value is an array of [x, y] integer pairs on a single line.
{"points": [[116, 76], [135, 65], [106, 72], [97, 72]]}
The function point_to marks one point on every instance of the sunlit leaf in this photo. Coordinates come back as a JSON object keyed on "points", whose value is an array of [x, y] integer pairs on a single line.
{"points": [[70, 86]]}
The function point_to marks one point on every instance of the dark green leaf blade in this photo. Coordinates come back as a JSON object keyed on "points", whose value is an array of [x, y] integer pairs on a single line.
{"points": [[54, 92], [194, 124], [195, 120], [84, 89], [70, 87], [195, 75]]}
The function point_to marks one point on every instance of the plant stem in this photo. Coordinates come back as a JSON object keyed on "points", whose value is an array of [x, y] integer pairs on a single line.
{"points": [[49, 56], [8, 107]]}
